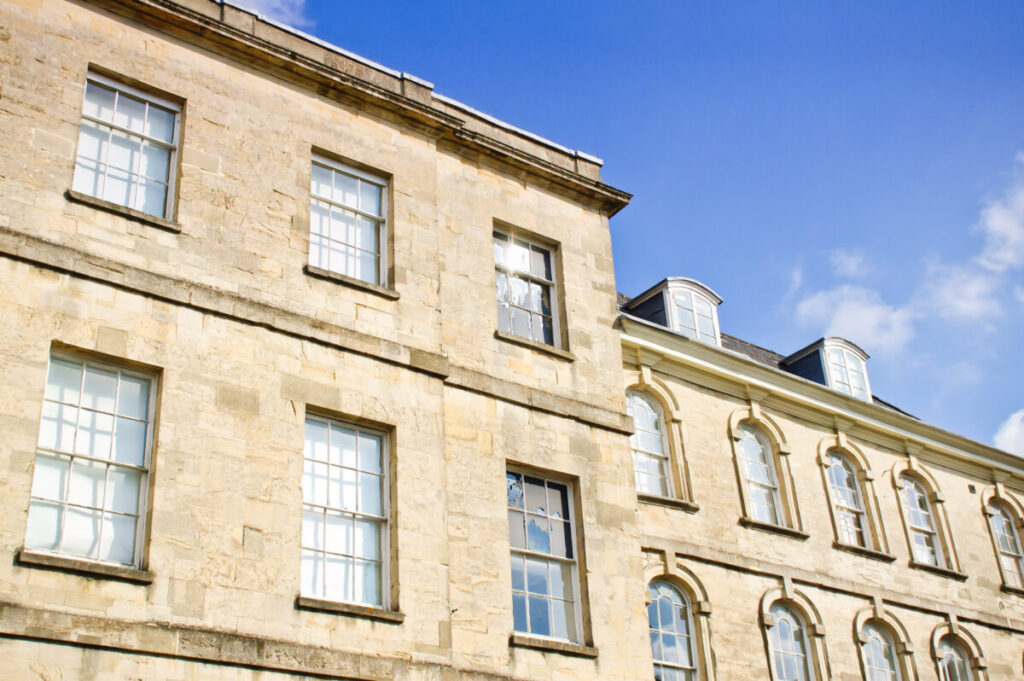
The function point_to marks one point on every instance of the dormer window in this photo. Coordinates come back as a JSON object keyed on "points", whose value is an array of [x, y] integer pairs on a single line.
{"points": [[696, 317], [846, 372], [834, 362], [683, 305]]}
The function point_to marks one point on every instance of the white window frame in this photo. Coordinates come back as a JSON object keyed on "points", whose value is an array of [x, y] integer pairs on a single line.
{"points": [[921, 491], [382, 221], [874, 632], [1013, 575], [780, 511], [577, 591], [666, 453], [173, 147], [950, 647], [384, 520], [552, 285], [796, 620], [842, 511], [691, 637], [851, 358], [695, 291], [141, 516]]}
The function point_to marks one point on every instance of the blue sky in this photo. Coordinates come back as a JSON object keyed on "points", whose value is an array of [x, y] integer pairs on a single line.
{"points": [[846, 168]]}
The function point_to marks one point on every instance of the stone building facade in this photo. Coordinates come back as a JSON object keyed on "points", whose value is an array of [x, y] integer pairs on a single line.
{"points": [[311, 372]]}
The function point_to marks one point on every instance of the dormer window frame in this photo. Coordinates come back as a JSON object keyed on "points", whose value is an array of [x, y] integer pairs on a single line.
{"points": [[848, 351], [696, 292]]}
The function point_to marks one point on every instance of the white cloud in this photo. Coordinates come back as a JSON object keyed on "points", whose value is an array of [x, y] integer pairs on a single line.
{"points": [[1002, 225], [960, 292], [847, 264], [860, 315], [796, 280], [291, 12], [1010, 436]]}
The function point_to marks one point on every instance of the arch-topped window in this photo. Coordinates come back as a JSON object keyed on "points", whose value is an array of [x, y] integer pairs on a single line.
{"points": [[1003, 522], [847, 500], [670, 619], [651, 464], [760, 476], [925, 543], [879, 651], [787, 638], [953, 659]]}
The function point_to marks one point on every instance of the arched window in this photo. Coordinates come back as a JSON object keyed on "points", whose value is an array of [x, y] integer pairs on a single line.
{"points": [[787, 638], [760, 476], [925, 542], [651, 465], [672, 634], [1003, 523], [879, 651], [851, 521], [953, 661]]}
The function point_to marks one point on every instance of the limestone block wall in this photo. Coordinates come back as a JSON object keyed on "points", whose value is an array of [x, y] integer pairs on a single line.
{"points": [[738, 564]]}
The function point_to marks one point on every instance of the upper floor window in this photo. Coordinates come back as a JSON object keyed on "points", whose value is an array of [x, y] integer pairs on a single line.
{"points": [[348, 221], [1003, 523], [760, 476], [787, 638], [879, 652], [127, 147], [525, 277], [846, 372], [92, 462], [344, 513], [545, 572], [922, 531], [696, 316], [851, 523], [651, 465], [670, 619]]}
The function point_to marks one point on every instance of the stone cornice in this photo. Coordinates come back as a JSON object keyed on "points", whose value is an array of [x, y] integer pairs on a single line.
{"points": [[788, 389], [330, 72]]}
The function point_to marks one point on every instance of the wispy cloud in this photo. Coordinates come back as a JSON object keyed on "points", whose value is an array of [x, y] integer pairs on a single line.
{"points": [[1002, 225], [1010, 436], [861, 315], [847, 264], [796, 280], [291, 12], [963, 293]]}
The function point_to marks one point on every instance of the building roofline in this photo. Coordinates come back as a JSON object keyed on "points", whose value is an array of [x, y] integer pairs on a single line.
{"points": [[229, 28], [821, 342], [735, 367]]}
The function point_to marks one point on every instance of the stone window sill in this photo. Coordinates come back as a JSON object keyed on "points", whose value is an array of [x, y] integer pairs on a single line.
{"points": [[863, 551], [668, 502], [123, 211], [558, 353], [364, 611], [945, 572], [1006, 588], [774, 529], [87, 568], [351, 282], [552, 646]]}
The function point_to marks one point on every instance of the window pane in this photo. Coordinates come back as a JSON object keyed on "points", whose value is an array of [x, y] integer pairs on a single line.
{"points": [[514, 483], [311, 574], [133, 397], [123, 488], [118, 541], [338, 578], [540, 263], [313, 523], [367, 579], [50, 478], [155, 162], [537, 576], [116, 187], [338, 533], [44, 522], [99, 101], [369, 453], [87, 178], [536, 495], [342, 488], [518, 567], [82, 532], [130, 442], [540, 622], [537, 533], [563, 621], [124, 152], [367, 539], [100, 389], [314, 483], [321, 182], [95, 434], [519, 613], [88, 482], [160, 124], [346, 189], [517, 529], [57, 427], [130, 113], [369, 198], [63, 381], [316, 440], [369, 494]]}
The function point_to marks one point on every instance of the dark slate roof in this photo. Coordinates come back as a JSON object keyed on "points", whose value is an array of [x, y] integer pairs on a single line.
{"points": [[769, 358]]}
